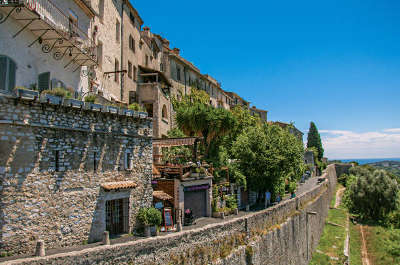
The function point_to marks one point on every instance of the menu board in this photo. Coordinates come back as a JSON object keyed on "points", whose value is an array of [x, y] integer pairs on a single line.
{"points": [[169, 223]]}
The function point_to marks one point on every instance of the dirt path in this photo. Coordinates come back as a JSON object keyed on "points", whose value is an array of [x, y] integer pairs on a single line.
{"points": [[339, 194], [364, 251]]}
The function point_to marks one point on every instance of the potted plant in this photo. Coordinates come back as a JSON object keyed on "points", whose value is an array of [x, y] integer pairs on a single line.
{"points": [[196, 172], [143, 218], [155, 219], [90, 103], [54, 96], [26, 94]]}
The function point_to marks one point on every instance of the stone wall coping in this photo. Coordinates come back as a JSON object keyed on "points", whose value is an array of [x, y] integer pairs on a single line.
{"points": [[174, 235], [120, 111]]}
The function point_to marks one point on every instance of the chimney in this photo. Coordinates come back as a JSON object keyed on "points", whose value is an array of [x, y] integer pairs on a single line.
{"points": [[166, 42], [146, 31], [176, 51]]}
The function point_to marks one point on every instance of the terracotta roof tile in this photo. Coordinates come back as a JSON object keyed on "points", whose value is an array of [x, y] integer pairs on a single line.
{"points": [[118, 185], [161, 195]]}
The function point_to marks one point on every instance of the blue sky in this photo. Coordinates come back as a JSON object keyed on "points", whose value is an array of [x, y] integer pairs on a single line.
{"points": [[336, 63]]}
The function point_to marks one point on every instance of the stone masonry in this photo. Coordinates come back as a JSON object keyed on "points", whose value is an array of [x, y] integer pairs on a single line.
{"points": [[53, 161], [287, 233]]}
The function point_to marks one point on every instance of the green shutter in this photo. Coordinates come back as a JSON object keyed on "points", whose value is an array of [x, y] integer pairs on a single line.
{"points": [[12, 69], [3, 72], [44, 81]]}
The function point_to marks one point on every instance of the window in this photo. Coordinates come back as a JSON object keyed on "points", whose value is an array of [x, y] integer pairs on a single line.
{"points": [[132, 18], [57, 160], [178, 73], [164, 112], [44, 81], [134, 73], [95, 161], [147, 60], [129, 69], [131, 43], [161, 67], [117, 30], [128, 160], [116, 75], [8, 70], [100, 54]]}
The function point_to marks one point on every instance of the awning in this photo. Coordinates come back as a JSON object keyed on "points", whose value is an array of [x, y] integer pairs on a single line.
{"points": [[161, 195], [168, 142], [119, 185]]}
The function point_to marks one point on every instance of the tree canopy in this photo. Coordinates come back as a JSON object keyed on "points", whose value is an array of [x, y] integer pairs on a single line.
{"points": [[268, 155], [314, 140]]}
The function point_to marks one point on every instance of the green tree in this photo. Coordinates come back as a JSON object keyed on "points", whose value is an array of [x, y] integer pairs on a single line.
{"points": [[372, 195], [268, 155], [314, 140], [198, 119]]}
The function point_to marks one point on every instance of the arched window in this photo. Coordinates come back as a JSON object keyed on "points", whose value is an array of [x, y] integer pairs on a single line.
{"points": [[8, 70], [164, 112]]}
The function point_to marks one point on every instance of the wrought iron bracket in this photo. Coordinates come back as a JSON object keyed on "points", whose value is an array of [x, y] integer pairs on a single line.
{"points": [[4, 19], [24, 27]]}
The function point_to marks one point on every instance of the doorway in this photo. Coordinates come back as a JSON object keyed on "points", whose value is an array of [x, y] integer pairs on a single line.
{"points": [[117, 216]]}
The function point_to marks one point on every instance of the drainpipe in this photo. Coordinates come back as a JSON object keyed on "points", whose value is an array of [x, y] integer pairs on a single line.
{"points": [[122, 49]]}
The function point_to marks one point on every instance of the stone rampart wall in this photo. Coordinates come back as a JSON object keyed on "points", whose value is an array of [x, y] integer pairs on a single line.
{"points": [[284, 234]]}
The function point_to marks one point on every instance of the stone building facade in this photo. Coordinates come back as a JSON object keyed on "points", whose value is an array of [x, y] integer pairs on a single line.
{"points": [[69, 174]]}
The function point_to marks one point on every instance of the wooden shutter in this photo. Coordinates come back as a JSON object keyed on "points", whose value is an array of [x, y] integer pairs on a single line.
{"points": [[44, 81], [3, 72], [12, 69]]}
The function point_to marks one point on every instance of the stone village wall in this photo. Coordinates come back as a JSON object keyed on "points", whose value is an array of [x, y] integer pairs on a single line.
{"points": [[287, 233], [67, 207]]}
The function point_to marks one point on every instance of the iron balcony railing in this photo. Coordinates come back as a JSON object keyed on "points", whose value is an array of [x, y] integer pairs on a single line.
{"points": [[57, 19]]}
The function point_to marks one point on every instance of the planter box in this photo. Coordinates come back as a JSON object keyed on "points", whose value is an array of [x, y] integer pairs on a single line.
{"points": [[74, 103], [143, 115], [129, 113], [50, 99], [122, 112], [92, 106], [113, 110], [26, 94]]}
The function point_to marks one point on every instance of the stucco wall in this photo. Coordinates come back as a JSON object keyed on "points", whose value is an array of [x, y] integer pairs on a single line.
{"points": [[66, 207], [284, 234]]}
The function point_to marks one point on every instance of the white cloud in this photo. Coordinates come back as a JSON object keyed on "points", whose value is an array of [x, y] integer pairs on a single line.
{"points": [[394, 130], [348, 144]]}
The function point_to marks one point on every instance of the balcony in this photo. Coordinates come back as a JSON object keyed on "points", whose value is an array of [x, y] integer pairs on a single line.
{"points": [[55, 32]]}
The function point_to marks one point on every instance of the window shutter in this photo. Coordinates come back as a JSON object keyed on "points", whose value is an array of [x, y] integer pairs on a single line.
{"points": [[3, 72], [44, 81], [11, 75]]}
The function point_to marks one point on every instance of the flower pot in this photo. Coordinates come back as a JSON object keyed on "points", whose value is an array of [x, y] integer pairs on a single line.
{"points": [[143, 115], [147, 231], [195, 175], [26, 94], [92, 106], [50, 99], [129, 113], [74, 103]]}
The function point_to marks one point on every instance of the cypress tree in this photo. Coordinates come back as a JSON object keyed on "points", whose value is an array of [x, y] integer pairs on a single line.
{"points": [[314, 140]]}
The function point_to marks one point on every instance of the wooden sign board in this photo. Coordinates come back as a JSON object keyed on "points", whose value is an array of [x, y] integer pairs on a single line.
{"points": [[169, 223]]}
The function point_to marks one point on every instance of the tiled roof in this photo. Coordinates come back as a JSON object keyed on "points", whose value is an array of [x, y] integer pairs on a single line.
{"points": [[119, 185], [161, 195]]}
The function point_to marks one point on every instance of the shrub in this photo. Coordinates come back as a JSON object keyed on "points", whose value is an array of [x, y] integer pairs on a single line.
{"points": [[149, 216], [292, 187], [135, 106], [59, 92], [154, 216], [143, 216], [90, 98], [231, 201]]}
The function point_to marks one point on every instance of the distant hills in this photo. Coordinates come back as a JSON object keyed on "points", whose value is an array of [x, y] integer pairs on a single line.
{"points": [[388, 165]]}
